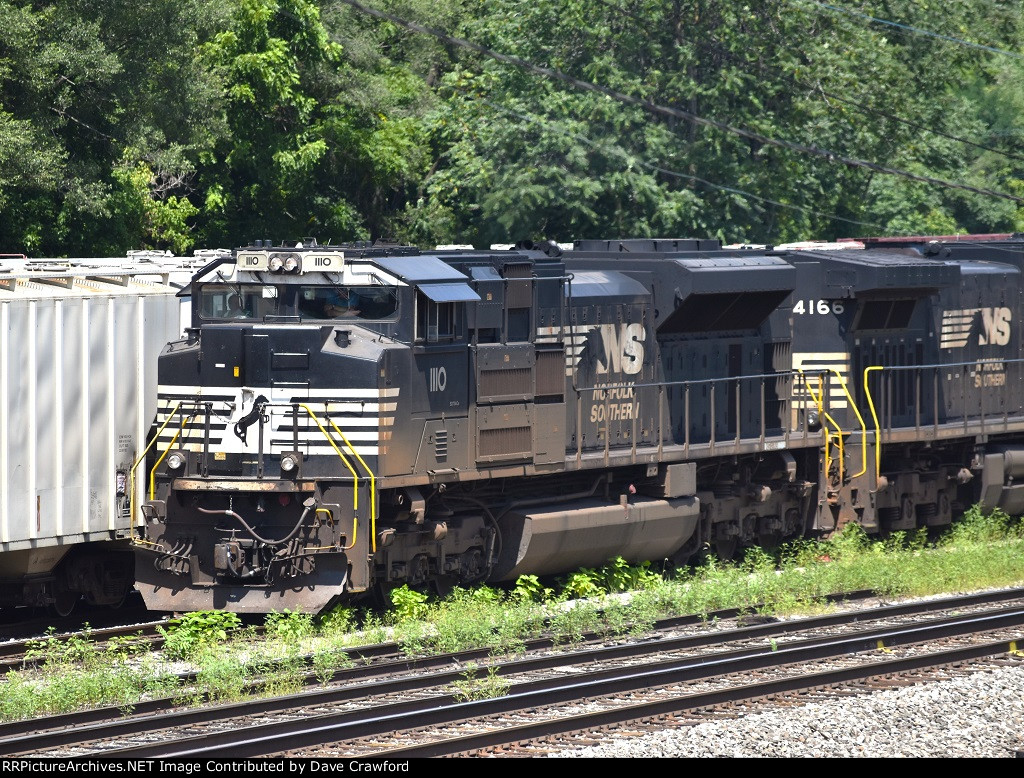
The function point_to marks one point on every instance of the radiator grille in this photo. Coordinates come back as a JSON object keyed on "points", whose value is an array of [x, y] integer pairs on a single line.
{"points": [[505, 443], [550, 373], [502, 383]]}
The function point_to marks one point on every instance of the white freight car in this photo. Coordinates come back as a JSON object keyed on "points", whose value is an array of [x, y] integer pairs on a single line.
{"points": [[79, 341]]}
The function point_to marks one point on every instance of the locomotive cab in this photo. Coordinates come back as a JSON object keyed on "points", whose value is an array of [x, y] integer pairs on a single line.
{"points": [[276, 393]]}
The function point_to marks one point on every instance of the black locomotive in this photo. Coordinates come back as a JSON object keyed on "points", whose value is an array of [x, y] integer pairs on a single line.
{"points": [[342, 420]]}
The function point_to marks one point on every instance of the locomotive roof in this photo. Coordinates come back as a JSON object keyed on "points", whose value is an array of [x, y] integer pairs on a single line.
{"points": [[602, 283], [868, 270], [420, 268]]}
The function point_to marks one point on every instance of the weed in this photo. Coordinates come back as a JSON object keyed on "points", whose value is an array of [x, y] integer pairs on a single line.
{"points": [[408, 603], [582, 584], [338, 620], [620, 576], [283, 676], [571, 624], [528, 588], [289, 625], [474, 687], [221, 677], [187, 636], [52, 652], [121, 648], [327, 662]]}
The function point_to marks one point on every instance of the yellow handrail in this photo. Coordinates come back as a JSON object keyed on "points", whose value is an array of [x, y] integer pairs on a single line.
{"points": [[863, 429], [355, 476], [819, 401], [373, 484], [355, 530], [152, 473], [874, 416], [821, 412], [131, 473]]}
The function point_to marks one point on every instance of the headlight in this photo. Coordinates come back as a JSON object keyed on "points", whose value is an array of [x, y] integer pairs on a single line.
{"points": [[175, 460], [289, 462], [289, 263]]}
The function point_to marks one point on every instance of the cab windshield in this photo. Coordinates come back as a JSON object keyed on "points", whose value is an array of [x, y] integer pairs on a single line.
{"points": [[257, 301]]}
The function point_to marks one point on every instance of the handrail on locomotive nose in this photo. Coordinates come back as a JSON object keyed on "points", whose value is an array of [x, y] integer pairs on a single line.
{"points": [[327, 435], [131, 473]]}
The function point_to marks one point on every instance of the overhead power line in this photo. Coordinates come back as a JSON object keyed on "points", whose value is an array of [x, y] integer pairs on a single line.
{"points": [[779, 73], [550, 127], [677, 113], [910, 28]]}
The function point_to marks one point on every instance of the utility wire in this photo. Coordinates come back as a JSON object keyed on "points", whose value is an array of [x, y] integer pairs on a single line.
{"points": [[779, 73], [550, 126], [910, 28], [677, 113]]}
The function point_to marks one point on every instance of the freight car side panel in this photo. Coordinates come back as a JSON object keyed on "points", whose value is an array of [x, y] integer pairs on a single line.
{"points": [[77, 394]]}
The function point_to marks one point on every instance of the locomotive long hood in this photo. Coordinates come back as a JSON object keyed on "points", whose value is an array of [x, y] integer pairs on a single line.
{"points": [[863, 272]]}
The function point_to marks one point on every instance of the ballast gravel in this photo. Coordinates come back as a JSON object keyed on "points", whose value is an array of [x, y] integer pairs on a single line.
{"points": [[979, 715]]}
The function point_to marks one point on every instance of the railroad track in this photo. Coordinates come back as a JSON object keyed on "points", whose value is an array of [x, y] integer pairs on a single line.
{"points": [[19, 654], [424, 707]]}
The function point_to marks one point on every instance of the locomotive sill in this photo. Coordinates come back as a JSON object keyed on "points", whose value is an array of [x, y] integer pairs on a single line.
{"points": [[213, 485]]}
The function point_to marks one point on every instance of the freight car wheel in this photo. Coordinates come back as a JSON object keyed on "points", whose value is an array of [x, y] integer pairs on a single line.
{"points": [[64, 601]]}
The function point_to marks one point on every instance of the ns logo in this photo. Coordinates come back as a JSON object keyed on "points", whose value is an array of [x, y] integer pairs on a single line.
{"points": [[622, 348], [995, 326], [992, 326]]}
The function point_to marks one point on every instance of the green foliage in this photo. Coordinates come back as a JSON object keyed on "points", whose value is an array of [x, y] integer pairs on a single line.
{"points": [[528, 588], [979, 526], [55, 653], [983, 550], [203, 123], [473, 686], [289, 625], [221, 678], [338, 620], [125, 647], [408, 604], [620, 576], [281, 676], [615, 576], [328, 661], [581, 584], [571, 624], [187, 636]]}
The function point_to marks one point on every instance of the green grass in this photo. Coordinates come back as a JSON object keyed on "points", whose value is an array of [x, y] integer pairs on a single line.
{"points": [[616, 601]]}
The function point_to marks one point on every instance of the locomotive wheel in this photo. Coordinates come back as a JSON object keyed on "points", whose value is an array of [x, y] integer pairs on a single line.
{"points": [[725, 549], [443, 585]]}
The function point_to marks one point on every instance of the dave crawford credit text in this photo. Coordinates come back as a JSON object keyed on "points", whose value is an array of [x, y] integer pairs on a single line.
{"points": [[294, 766]]}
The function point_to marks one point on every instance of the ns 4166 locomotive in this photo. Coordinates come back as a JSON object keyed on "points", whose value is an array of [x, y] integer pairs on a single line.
{"points": [[342, 420]]}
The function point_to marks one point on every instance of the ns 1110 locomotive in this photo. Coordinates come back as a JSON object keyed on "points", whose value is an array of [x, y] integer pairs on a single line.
{"points": [[341, 420]]}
